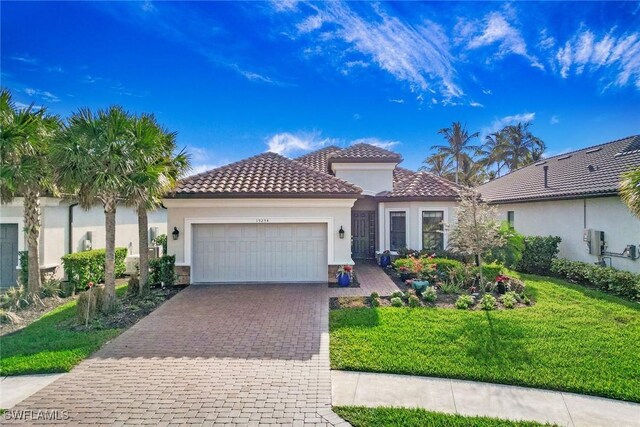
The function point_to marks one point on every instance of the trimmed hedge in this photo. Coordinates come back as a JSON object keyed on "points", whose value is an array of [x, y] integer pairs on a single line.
{"points": [[538, 254], [444, 265], [163, 270], [88, 266], [618, 282]]}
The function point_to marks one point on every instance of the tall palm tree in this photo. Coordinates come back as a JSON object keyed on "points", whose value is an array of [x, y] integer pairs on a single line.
{"points": [[521, 146], [472, 173], [25, 137], [439, 164], [93, 157], [157, 169], [491, 153], [458, 143], [630, 190]]}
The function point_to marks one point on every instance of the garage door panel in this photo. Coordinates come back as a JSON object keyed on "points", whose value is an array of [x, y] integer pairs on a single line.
{"points": [[259, 253]]}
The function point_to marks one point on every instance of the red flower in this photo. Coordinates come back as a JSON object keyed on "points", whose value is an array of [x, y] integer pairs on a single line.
{"points": [[501, 279], [347, 268], [90, 284]]}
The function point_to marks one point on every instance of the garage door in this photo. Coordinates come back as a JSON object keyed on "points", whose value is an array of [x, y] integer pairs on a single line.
{"points": [[224, 253]]}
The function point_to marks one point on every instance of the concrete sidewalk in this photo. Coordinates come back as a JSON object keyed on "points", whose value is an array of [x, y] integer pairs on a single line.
{"points": [[482, 399], [14, 390]]}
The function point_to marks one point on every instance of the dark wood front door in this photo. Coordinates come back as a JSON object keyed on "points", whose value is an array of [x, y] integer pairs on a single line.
{"points": [[363, 238]]}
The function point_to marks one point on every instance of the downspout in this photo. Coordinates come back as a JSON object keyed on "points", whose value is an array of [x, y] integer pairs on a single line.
{"points": [[70, 232]]}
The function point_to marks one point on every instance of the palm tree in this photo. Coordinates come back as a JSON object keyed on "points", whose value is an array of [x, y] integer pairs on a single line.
{"points": [[93, 157], [521, 146], [440, 165], [458, 143], [472, 173], [492, 153], [25, 136], [630, 190], [156, 172]]}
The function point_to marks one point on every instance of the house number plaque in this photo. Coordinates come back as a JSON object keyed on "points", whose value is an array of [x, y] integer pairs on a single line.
{"points": [[262, 220]]}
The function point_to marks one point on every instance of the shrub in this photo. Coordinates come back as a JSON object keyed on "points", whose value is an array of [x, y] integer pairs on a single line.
{"points": [[453, 255], [538, 254], [509, 299], [430, 294], [490, 271], [396, 302], [487, 302], [163, 270], [464, 302], [450, 287], [375, 295], [161, 240], [23, 278], [51, 288], [516, 285], [89, 304], [88, 266], [511, 253], [398, 294], [374, 302], [445, 265], [618, 282], [14, 298], [414, 301]]}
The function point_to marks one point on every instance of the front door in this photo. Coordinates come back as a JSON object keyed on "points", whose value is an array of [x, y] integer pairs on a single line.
{"points": [[363, 238]]}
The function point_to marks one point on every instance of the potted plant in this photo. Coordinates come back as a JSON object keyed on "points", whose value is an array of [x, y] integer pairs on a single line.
{"points": [[385, 259], [344, 275], [501, 284]]}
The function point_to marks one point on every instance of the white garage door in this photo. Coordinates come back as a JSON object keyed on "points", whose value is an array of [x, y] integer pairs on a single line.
{"points": [[259, 253]]}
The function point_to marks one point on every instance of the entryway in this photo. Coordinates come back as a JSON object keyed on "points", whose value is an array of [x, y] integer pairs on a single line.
{"points": [[363, 234], [8, 254]]}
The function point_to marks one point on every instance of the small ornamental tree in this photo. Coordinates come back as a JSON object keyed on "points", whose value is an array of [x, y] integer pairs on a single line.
{"points": [[630, 190], [477, 230]]}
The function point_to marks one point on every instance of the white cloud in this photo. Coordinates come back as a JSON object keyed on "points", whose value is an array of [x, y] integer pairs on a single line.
{"points": [[586, 52], [357, 116], [487, 91], [554, 120], [397, 101], [499, 124], [43, 95], [496, 30], [286, 143], [22, 106], [417, 54], [382, 143], [476, 104], [25, 59], [203, 159], [546, 41]]}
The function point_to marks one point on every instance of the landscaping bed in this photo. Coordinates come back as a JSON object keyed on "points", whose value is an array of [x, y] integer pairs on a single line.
{"points": [[58, 341], [383, 417], [573, 339]]}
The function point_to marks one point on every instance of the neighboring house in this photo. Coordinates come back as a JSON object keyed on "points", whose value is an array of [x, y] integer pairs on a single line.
{"points": [[568, 195], [273, 219], [66, 228]]}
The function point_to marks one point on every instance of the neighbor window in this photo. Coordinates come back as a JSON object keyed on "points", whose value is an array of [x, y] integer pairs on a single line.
{"points": [[432, 230], [510, 219], [398, 230]]}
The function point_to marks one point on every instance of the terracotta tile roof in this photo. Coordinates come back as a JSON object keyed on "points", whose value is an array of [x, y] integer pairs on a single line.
{"points": [[318, 159], [591, 171], [264, 175], [421, 185], [364, 153], [400, 174]]}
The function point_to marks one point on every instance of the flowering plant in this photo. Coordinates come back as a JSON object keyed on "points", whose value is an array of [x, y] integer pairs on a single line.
{"points": [[90, 284], [502, 279], [345, 269]]}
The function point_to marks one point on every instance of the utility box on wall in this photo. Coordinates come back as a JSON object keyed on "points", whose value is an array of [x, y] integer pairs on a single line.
{"points": [[594, 239]]}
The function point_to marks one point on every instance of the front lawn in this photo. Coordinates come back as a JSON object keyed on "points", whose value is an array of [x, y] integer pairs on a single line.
{"points": [[383, 417], [572, 339], [54, 343]]}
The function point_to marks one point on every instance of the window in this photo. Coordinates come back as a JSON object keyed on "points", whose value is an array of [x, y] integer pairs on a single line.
{"points": [[398, 230], [432, 230], [511, 218]]}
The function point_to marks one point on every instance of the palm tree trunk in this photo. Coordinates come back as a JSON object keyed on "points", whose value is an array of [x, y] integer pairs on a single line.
{"points": [[457, 166], [110, 256], [32, 228], [143, 248]]}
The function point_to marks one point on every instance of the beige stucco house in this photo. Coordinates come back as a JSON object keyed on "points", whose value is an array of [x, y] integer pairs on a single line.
{"points": [[66, 228], [575, 196], [273, 219]]}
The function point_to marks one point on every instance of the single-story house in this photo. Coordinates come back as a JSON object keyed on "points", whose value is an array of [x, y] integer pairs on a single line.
{"points": [[269, 218], [66, 228], [575, 196]]}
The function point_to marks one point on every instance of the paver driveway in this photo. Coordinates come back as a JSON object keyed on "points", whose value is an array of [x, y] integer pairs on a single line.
{"points": [[225, 354]]}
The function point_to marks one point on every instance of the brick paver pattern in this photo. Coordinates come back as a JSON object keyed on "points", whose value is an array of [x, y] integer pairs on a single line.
{"points": [[222, 354]]}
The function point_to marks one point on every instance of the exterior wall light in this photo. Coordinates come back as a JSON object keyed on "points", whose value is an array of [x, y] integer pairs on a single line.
{"points": [[175, 233], [341, 232]]}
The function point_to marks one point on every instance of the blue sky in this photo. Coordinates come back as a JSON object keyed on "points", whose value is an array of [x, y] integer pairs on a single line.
{"points": [[236, 79]]}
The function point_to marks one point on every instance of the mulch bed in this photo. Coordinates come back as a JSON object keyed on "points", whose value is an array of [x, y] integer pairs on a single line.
{"points": [[32, 313]]}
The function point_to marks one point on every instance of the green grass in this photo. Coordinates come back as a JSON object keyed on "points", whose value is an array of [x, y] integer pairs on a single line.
{"points": [[573, 339], [48, 345], [400, 417]]}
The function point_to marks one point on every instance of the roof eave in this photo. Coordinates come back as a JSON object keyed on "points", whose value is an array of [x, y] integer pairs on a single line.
{"points": [[546, 198], [264, 196]]}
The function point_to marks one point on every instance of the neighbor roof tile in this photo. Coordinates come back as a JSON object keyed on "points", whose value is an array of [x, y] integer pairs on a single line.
{"points": [[364, 152], [590, 171], [422, 185]]}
